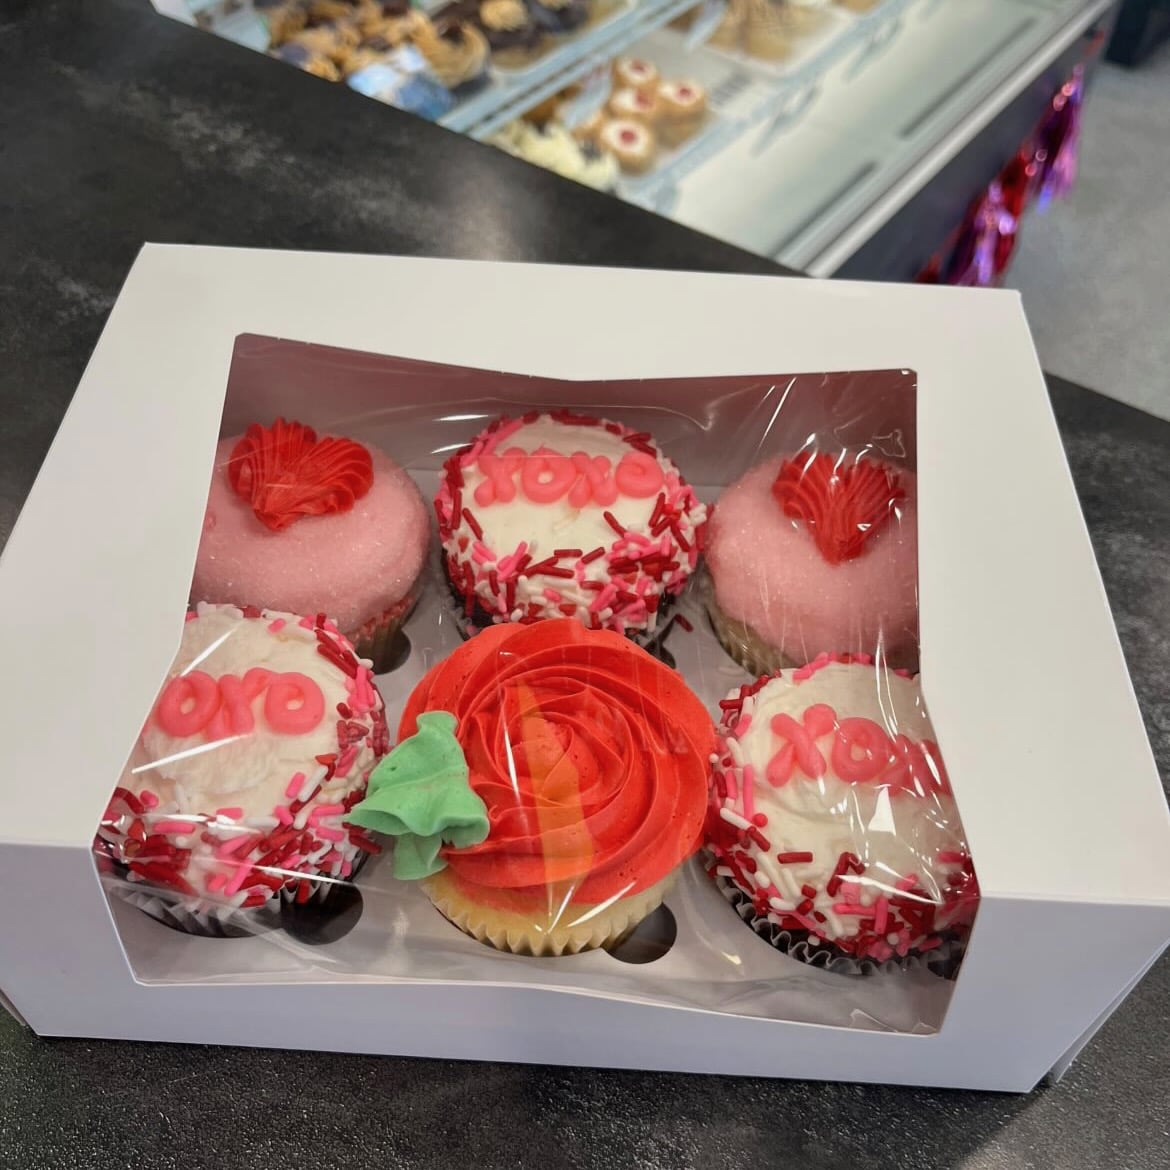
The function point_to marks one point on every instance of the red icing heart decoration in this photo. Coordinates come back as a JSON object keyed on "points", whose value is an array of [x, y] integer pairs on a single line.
{"points": [[286, 472], [843, 505]]}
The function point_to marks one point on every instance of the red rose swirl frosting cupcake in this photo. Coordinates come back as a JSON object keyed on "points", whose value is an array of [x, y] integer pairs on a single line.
{"points": [[564, 515], [832, 826], [240, 783], [549, 783]]}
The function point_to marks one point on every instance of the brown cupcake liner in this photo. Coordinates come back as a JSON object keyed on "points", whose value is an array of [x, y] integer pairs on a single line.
{"points": [[740, 641], [207, 918], [200, 917], [376, 639], [942, 960]]}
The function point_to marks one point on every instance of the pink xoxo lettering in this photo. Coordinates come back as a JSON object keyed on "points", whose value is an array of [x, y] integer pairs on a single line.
{"points": [[234, 716], [595, 482], [801, 748], [499, 476], [639, 475], [861, 751], [546, 476], [221, 708]]}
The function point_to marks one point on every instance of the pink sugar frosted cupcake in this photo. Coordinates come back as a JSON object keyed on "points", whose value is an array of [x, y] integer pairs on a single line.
{"points": [[816, 554], [311, 524]]}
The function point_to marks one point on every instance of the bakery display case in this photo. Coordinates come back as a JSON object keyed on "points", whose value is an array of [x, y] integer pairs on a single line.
{"points": [[806, 131]]}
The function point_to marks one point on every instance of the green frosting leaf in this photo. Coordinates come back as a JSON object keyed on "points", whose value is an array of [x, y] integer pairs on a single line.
{"points": [[420, 794]]}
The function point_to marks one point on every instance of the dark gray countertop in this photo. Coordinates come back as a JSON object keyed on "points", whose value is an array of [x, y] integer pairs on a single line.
{"points": [[119, 127]]}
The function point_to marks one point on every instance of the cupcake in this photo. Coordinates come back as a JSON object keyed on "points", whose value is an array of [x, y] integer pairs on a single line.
{"points": [[816, 554], [832, 827], [548, 783], [313, 524], [238, 788], [565, 515]]}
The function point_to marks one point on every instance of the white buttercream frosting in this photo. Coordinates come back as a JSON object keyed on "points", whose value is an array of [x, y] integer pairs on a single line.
{"points": [[898, 824], [234, 752]]}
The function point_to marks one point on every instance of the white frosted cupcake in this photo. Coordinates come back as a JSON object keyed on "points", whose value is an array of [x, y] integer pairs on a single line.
{"points": [[564, 515], [238, 788], [832, 827]]}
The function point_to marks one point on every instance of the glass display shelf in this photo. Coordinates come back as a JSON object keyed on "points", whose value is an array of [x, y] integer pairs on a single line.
{"points": [[825, 161], [802, 160]]}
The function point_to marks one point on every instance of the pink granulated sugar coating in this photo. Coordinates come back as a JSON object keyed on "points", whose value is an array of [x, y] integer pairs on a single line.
{"points": [[769, 575], [350, 565]]}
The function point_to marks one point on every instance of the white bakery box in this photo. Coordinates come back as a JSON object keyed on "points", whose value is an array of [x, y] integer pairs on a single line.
{"points": [[1021, 666]]}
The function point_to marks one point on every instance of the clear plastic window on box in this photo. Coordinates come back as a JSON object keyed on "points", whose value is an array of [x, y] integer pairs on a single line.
{"points": [[630, 709]]}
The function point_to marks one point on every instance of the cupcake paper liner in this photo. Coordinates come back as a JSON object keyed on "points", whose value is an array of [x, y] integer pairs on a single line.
{"points": [[521, 934], [739, 640], [206, 918], [375, 639], [942, 960], [203, 919]]}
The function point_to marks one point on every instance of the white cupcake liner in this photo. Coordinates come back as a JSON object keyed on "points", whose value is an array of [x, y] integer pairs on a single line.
{"points": [[507, 931]]}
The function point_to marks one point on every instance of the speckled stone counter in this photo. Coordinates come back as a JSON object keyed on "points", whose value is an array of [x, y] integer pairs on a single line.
{"points": [[119, 127]]}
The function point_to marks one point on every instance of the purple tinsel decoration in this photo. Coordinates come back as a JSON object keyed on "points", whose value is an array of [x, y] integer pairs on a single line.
{"points": [[1059, 140]]}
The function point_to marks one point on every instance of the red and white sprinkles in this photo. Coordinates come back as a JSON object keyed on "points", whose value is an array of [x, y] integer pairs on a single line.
{"points": [[830, 811], [565, 515], [260, 743]]}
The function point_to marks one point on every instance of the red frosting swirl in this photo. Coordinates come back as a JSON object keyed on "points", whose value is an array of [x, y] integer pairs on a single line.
{"points": [[843, 504], [590, 755], [286, 472]]}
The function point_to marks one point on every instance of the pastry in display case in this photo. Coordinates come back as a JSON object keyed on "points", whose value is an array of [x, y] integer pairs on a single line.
{"points": [[556, 149], [797, 129]]}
